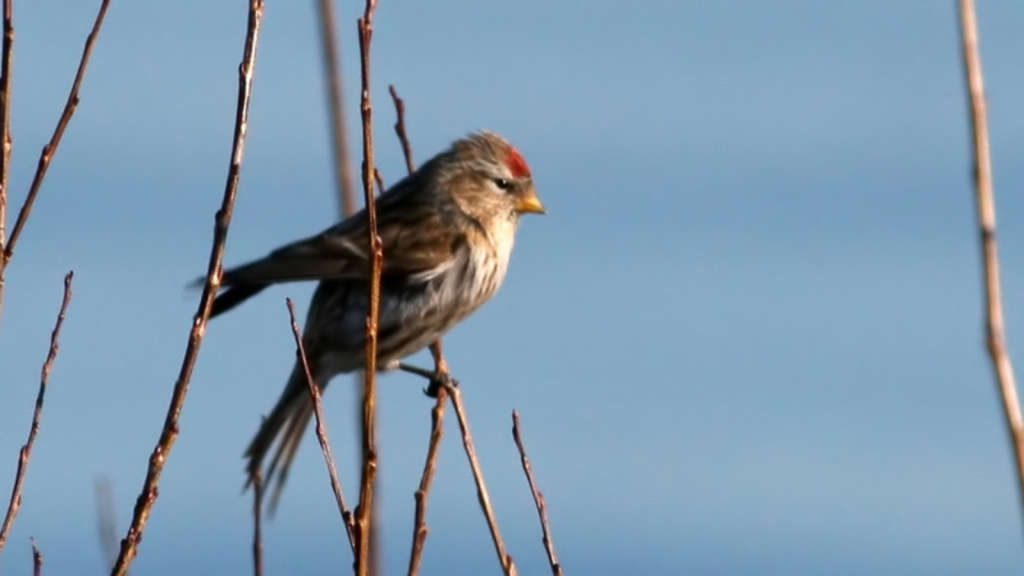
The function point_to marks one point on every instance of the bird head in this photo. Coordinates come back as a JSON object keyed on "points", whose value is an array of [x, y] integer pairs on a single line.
{"points": [[489, 179]]}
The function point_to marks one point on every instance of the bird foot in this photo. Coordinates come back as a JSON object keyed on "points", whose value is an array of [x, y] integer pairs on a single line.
{"points": [[437, 380]]}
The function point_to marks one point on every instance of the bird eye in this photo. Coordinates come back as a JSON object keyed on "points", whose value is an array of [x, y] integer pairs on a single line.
{"points": [[502, 183]]}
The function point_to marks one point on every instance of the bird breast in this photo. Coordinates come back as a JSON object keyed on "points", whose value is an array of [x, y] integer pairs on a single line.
{"points": [[413, 312], [475, 273]]}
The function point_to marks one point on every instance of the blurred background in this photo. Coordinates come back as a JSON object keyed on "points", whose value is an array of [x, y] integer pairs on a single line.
{"points": [[747, 337]]}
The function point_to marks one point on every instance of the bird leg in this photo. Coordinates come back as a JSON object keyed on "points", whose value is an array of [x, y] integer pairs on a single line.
{"points": [[437, 379]]}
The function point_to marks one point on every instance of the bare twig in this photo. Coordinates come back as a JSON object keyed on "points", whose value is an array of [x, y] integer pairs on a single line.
{"points": [[364, 513], [5, 128], [445, 383], [257, 517], [26, 451], [344, 181], [107, 520], [321, 430], [51, 148], [538, 498], [7, 245], [400, 129], [996, 336], [481, 487], [37, 559], [420, 530], [378, 179], [158, 459]]}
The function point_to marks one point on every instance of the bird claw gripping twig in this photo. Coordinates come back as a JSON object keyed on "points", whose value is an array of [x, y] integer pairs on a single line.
{"points": [[437, 380]]}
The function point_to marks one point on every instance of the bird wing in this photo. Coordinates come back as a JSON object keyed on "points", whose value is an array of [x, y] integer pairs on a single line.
{"points": [[415, 238]]}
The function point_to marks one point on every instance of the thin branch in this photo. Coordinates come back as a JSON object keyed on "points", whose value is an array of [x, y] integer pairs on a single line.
{"points": [[538, 498], [344, 180], [364, 512], [481, 487], [420, 530], [37, 559], [51, 148], [158, 459], [345, 188], [5, 128], [400, 129], [996, 336], [321, 430], [26, 450], [378, 179], [257, 517]]}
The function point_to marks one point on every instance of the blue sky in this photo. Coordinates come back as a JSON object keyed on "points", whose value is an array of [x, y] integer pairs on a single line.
{"points": [[745, 339]]}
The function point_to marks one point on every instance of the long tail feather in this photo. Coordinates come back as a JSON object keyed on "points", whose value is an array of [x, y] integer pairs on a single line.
{"points": [[282, 431]]}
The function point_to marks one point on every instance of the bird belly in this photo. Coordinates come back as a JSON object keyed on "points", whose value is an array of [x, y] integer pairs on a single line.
{"points": [[416, 320], [412, 313]]}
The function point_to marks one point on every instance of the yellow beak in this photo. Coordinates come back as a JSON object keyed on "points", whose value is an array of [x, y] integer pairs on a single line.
{"points": [[528, 202]]}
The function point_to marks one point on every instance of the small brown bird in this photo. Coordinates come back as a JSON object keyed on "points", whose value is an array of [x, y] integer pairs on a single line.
{"points": [[447, 232]]}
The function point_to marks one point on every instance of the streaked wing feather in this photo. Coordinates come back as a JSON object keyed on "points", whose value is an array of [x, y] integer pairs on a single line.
{"points": [[415, 238]]}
